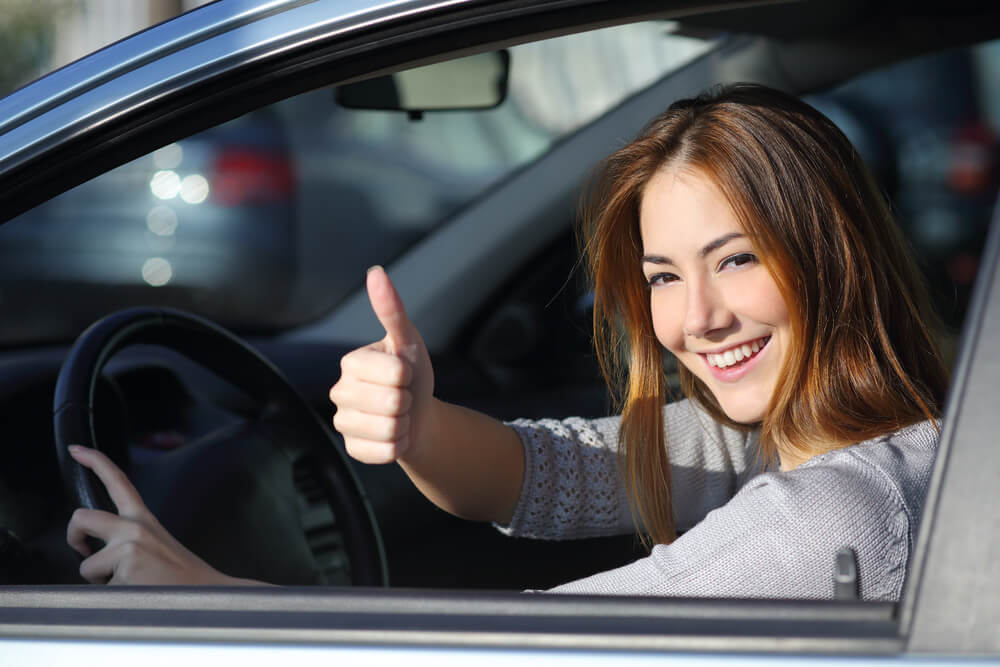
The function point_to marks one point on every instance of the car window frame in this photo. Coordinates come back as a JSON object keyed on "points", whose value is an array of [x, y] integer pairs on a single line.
{"points": [[950, 603]]}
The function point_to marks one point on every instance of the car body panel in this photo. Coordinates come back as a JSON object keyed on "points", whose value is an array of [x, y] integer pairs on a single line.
{"points": [[250, 655], [953, 597]]}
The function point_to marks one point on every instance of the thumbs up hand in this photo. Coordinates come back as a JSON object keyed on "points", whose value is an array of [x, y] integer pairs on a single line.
{"points": [[385, 388]]}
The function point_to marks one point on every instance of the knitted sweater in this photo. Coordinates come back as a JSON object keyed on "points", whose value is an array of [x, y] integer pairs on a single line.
{"points": [[749, 530]]}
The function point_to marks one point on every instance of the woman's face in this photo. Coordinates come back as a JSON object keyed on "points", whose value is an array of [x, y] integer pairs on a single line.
{"points": [[714, 305]]}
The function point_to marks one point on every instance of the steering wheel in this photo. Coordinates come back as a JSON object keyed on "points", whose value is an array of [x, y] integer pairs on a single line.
{"points": [[232, 360]]}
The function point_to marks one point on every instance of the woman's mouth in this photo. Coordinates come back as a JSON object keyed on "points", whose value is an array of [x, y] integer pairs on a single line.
{"points": [[736, 356]]}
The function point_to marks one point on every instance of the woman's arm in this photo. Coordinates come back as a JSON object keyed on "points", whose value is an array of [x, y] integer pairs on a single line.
{"points": [[573, 487], [475, 467], [465, 462], [472, 467]]}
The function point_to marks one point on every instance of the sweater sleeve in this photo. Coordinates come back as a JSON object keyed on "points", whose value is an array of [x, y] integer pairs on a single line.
{"points": [[573, 487], [778, 538]]}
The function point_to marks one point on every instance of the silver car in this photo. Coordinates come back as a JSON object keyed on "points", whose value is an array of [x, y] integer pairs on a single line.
{"points": [[228, 434]]}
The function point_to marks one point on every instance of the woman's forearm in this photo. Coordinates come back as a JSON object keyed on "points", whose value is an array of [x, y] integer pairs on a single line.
{"points": [[467, 463]]}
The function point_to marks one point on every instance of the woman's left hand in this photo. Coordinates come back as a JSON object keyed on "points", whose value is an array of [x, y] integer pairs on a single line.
{"points": [[138, 550]]}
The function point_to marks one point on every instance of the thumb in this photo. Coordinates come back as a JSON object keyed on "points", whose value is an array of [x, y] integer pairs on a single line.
{"points": [[401, 335]]}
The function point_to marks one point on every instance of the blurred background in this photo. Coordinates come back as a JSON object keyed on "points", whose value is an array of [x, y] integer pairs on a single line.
{"points": [[38, 36]]}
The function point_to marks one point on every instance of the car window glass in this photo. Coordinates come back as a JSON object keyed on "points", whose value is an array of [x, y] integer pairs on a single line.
{"points": [[271, 219]]}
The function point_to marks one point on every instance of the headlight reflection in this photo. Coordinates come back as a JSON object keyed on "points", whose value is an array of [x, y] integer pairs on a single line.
{"points": [[157, 271]]}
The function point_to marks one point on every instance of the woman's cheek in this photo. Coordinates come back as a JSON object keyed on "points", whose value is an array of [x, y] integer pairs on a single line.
{"points": [[760, 298], [667, 326]]}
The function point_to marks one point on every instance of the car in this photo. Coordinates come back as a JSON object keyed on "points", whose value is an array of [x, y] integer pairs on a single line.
{"points": [[228, 435]]}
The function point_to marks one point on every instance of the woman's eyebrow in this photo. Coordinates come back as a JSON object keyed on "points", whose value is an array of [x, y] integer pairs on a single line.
{"points": [[719, 242], [656, 259], [709, 247]]}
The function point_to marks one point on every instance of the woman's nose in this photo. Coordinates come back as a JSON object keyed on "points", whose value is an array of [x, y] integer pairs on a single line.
{"points": [[706, 311]]}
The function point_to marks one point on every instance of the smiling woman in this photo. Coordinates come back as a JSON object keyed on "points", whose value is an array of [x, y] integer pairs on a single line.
{"points": [[741, 233], [844, 362], [767, 262]]}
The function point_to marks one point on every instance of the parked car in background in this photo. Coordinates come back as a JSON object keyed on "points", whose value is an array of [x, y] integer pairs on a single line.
{"points": [[943, 152], [188, 219], [228, 436]]}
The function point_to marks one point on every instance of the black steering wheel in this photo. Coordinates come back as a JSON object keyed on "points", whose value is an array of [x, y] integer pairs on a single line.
{"points": [[275, 400]]}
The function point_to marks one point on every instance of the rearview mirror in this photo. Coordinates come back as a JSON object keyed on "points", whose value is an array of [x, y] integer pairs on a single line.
{"points": [[473, 82]]}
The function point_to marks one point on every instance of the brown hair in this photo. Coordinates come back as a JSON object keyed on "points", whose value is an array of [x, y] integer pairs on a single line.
{"points": [[864, 363]]}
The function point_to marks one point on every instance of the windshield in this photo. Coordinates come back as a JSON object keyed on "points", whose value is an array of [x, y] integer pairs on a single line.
{"points": [[268, 221]]}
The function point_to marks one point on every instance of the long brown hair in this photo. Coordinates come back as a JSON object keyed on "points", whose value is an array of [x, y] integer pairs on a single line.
{"points": [[864, 361]]}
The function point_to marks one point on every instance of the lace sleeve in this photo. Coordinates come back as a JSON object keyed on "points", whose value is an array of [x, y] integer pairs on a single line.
{"points": [[573, 487], [571, 482]]}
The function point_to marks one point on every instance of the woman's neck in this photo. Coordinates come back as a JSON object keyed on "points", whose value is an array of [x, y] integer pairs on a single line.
{"points": [[790, 460]]}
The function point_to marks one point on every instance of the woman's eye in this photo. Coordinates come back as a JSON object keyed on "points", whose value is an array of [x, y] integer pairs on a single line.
{"points": [[736, 261], [660, 279]]}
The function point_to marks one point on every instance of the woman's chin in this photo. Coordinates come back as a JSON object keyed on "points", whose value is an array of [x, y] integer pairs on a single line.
{"points": [[747, 414]]}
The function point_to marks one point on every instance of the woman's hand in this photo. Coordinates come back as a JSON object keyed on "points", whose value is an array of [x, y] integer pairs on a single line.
{"points": [[464, 462], [385, 390], [138, 550]]}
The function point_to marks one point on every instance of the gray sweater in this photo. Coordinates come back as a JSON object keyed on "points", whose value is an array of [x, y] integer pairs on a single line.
{"points": [[749, 529]]}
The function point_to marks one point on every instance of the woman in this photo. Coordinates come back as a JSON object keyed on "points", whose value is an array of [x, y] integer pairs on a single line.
{"points": [[741, 233]]}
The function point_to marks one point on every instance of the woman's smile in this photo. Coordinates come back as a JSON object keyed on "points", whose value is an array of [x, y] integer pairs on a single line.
{"points": [[732, 363]]}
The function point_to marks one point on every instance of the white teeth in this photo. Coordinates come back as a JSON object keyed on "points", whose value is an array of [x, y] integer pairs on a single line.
{"points": [[734, 355]]}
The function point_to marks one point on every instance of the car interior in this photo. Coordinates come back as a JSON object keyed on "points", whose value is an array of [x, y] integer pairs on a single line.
{"points": [[473, 215]]}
